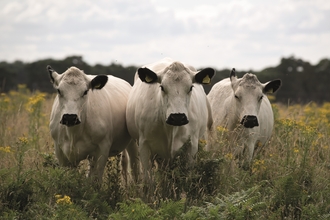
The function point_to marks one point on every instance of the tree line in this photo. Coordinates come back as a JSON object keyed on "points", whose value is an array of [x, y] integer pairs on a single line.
{"points": [[302, 82]]}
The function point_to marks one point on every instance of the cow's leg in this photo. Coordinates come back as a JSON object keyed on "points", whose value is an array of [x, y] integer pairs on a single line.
{"points": [[98, 161], [247, 159], [62, 158], [133, 153], [145, 156], [192, 151], [124, 165], [211, 138], [96, 167], [251, 142]]}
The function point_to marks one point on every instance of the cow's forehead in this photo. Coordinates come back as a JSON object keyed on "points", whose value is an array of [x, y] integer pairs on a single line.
{"points": [[74, 76], [176, 72], [249, 81]]}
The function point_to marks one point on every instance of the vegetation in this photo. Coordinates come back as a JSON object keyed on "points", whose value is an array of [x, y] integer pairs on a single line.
{"points": [[288, 178], [302, 81]]}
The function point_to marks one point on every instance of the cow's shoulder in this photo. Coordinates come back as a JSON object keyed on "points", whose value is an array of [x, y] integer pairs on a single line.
{"points": [[220, 91]]}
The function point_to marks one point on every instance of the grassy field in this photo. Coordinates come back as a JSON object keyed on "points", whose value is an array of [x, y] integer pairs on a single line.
{"points": [[289, 178]]}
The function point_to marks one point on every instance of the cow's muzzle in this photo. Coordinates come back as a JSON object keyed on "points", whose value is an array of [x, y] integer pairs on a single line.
{"points": [[70, 120], [250, 121], [177, 119]]}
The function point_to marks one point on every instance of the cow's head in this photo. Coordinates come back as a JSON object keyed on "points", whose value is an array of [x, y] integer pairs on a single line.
{"points": [[249, 94], [72, 87], [176, 84]]}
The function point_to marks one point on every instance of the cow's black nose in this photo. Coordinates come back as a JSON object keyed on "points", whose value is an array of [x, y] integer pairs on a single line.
{"points": [[177, 119], [250, 121], [70, 120]]}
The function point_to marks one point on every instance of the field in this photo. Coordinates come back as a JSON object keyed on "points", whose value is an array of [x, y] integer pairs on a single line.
{"points": [[289, 178]]}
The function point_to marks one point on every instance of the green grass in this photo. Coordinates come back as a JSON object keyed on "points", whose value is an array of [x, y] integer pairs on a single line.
{"points": [[289, 178]]}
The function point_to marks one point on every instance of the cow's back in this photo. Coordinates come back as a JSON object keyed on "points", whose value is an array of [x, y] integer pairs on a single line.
{"points": [[220, 98], [110, 107], [200, 111]]}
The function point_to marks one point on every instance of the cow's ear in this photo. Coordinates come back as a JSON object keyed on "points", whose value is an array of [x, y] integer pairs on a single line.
{"points": [[98, 82], [233, 78], [204, 76], [147, 76], [272, 86], [53, 75], [232, 75]]}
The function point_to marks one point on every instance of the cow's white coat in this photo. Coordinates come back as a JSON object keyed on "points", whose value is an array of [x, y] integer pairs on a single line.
{"points": [[231, 99], [100, 109], [160, 90]]}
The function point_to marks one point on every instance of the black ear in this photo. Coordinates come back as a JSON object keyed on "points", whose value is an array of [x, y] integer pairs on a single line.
{"points": [[232, 73], [50, 71], [99, 81], [272, 86], [204, 76], [148, 76]]}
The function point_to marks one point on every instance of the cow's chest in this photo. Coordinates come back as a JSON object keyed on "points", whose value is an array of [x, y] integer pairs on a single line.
{"points": [[77, 149]]}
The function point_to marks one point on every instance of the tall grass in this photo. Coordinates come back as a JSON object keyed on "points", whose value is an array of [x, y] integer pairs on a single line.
{"points": [[289, 178]]}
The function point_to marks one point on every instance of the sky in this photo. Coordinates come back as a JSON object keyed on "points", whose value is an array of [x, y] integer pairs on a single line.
{"points": [[245, 34]]}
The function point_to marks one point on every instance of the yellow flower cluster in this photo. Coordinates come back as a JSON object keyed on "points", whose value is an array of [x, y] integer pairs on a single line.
{"points": [[23, 140], [222, 129], [4, 98], [202, 142], [34, 101], [316, 116], [6, 149], [305, 129], [229, 156], [63, 200], [258, 165]]}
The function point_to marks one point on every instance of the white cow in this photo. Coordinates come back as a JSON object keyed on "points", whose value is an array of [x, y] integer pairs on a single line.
{"points": [[89, 124], [240, 105], [168, 108]]}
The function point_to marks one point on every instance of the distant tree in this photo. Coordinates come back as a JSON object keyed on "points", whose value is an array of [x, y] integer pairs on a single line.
{"points": [[301, 81], [11, 74], [38, 78]]}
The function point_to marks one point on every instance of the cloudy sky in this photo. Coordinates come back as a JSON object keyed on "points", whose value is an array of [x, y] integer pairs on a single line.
{"points": [[245, 34]]}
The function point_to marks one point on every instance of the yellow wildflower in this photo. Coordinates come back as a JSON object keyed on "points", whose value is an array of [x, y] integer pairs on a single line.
{"points": [[21, 87], [23, 140], [222, 129], [5, 149], [229, 156], [259, 162], [258, 166], [63, 200], [35, 101], [202, 141]]}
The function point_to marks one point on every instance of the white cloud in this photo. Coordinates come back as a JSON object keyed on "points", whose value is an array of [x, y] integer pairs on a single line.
{"points": [[242, 33]]}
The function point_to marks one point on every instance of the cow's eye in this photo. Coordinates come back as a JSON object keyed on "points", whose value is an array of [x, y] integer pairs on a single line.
{"points": [[191, 88], [59, 92], [85, 93], [162, 88], [261, 98], [236, 97]]}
